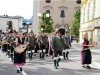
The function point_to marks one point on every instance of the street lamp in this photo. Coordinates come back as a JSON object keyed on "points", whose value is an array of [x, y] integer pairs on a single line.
{"points": [[43, 25], [27, 26], [0, 30]]}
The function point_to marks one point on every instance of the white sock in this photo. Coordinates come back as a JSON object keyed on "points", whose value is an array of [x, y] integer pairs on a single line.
{"points": [[87, 65], [17, 67], [24, 73]]}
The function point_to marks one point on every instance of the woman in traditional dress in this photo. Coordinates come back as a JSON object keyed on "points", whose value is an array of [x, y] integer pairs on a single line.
{"points": [[19, 58], [86, 53]]}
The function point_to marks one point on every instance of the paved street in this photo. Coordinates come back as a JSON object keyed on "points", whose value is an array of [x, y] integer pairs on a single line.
{"points": [[45, 67]]}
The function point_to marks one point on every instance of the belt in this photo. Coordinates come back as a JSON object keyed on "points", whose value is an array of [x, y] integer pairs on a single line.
{"points": [[86, 49]]}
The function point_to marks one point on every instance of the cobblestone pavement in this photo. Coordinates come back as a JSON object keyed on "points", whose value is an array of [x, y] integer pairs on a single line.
{"points": [[45, 67]]}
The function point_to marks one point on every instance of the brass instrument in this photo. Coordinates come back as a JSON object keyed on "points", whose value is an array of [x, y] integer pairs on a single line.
{"points": [[41, 39], [0, 39], [4, 42], [20, 49], [12, 40]]}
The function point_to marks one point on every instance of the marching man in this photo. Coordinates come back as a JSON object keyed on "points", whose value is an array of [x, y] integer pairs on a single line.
{"points": [[32, 44], [57, 48], [67, 45]]}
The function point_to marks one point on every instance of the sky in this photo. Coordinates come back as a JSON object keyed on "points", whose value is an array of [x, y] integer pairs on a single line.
{"points": [[22, 8]]}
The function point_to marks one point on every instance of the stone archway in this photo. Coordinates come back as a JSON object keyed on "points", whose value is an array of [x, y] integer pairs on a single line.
{"points": [[62, 31]]}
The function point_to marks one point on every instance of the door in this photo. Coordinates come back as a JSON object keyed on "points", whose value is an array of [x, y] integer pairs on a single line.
{"points": [[62, 31]]}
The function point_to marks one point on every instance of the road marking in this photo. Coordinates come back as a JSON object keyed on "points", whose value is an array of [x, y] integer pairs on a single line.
{"points": [[97, 64], [94, 62], [23, 72]]}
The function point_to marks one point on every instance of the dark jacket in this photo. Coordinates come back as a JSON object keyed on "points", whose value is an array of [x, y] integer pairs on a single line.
{"points": [[55, 44]]}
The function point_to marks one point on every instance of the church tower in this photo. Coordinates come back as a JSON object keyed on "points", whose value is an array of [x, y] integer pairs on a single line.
{"points": [[61, 11]]}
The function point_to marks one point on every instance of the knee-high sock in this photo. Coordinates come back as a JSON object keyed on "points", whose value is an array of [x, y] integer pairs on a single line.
{"points": [[40, 53], [0, 47], [9, 53], [59, 59], [12, 56], [64, 53], [55, 61], [33, 52], [29, 54], [67, 53], [43, 52]]}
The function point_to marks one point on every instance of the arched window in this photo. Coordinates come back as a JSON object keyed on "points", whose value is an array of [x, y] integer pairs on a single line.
{"points": [[48, 11], [62, 15], [47, 1]]}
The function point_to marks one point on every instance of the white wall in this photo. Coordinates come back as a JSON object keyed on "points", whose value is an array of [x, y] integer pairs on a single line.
{"points": [[16, 22], [36, 7]]}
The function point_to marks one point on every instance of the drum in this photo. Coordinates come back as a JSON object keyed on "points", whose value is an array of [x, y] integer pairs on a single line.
{"points": [[20, 49], [3, 42]]}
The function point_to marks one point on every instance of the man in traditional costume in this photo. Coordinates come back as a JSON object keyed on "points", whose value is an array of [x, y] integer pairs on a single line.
{"points": [[67, 45], [57, 47], [43, 45], [32, 44], [13, 43], [5, 41]]}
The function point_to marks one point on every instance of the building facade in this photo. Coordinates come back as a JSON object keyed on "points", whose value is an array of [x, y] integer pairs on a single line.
{"points": [[61, 11], [16, 23], [90, 19]]}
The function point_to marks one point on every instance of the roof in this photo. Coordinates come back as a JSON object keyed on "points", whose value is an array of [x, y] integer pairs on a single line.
{"points": [[12, 17]]}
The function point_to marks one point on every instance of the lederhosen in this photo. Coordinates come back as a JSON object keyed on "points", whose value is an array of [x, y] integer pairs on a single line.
{"points": [[20, 58], [43, 44], [67, 44], [31, 46], [66, 41]]}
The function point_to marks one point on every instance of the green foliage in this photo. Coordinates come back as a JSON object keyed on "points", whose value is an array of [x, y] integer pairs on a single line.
{"points": [[48, 21], [76, 23]]}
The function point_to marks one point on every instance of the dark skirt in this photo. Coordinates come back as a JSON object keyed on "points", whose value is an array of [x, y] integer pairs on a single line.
{"points": [[86, 57], [19, 58], [50, 51]]}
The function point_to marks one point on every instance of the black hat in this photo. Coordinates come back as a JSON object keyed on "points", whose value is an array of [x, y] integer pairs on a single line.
{"points": [[57, 31], [14, 31]]}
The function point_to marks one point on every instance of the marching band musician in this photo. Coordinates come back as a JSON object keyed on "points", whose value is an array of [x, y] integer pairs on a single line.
{"points": [[20, 57], [12, 42], [43, 45], [5, 41], [32, 44], [67, 45]]}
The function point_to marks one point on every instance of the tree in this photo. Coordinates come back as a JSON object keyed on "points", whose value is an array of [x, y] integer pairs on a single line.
{"points": [[48, 23], [76, 23]]}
